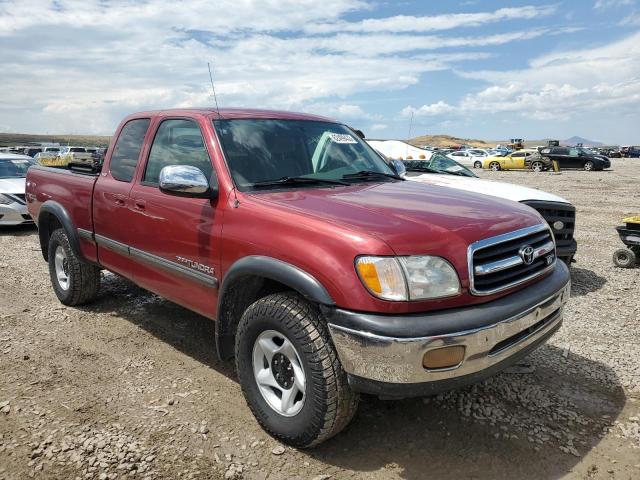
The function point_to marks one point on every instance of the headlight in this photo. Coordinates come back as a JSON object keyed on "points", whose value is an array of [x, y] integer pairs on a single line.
{"points": [[408, 278], [4, 200]]}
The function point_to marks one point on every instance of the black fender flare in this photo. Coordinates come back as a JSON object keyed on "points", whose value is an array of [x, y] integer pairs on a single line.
{"points": [[269, 268], [55, 209]]}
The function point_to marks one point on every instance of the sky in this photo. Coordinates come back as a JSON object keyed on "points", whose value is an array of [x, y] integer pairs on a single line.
{"points": [[475, 69]]}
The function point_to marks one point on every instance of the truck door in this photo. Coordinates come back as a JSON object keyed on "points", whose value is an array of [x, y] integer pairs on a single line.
{"points": [[111, 217], [175, 239]]}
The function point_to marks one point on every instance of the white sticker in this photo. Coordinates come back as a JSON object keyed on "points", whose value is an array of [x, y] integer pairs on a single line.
{"points": [[455, 168], [342, 138], [19, 162]]}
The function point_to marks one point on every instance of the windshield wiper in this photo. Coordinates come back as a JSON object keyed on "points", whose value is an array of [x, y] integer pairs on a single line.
{"points": [[370, 173], [297, 180]]}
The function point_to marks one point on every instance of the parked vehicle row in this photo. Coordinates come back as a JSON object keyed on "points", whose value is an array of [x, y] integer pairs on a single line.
{"points": [[326, 273]]}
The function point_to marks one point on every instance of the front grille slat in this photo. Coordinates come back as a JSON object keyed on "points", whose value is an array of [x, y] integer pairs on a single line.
{"points": [[511, 247], [501, 251]]}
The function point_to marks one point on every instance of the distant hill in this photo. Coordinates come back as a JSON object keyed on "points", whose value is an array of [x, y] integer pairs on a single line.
{"points": [[12, 139], [584, 141], [448, 141]]}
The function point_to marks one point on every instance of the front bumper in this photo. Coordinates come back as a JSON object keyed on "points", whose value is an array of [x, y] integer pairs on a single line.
{"points": [[383, 354], [14, 214]]}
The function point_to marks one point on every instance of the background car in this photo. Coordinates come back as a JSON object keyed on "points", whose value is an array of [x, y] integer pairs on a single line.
{"points": [[13, 171], [512, 161], [576, 157], [468, 158]]}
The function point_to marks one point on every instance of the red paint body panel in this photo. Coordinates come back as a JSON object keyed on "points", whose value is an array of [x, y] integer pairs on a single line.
{"points": [[319, 230]]}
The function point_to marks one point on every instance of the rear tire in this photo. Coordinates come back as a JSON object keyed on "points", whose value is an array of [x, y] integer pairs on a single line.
{"points": [[275, 325], [495, 166], [537, 166], [74, 281], [624, 258], [589, 166], [477, 164]]}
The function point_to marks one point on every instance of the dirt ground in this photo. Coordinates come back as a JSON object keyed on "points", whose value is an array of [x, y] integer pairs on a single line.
{"points": [[130, 386]]}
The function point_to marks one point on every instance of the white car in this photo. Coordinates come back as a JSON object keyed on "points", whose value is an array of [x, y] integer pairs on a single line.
{"points": [[13, 206], [558, 212], [469, 158]]}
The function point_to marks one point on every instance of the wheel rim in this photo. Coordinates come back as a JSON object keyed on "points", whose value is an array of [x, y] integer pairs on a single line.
{"points": [[278, 372], [537, 167], [495, 166], [622, 258], [62, 268], [588, 166], [477, 165]]}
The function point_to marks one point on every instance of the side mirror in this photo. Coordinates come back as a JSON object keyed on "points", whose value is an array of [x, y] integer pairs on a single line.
{"points": [[398, 167], [186, 181]]}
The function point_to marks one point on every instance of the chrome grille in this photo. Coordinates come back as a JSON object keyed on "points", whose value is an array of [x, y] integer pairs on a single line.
{"points": [[502, 262]]}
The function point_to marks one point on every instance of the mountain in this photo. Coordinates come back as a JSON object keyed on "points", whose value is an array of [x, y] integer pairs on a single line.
{"points": [[584, 141], [447, 141]]}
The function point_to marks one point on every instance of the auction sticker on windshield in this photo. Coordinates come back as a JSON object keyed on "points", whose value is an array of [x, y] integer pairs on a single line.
{"points": [[342, 138]]}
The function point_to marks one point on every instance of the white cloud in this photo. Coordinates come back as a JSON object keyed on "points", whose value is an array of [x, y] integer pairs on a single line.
{"points": [[603, 4], [80, 65], [434, 109], [564, 85], [376, 127], [408, 23]]}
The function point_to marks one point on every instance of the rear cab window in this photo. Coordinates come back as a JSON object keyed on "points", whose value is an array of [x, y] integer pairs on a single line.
{"points": [[126, 151]]}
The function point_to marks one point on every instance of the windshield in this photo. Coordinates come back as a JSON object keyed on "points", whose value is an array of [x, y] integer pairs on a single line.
{"points": [[438, 164], [259, 151], [14, 168]]}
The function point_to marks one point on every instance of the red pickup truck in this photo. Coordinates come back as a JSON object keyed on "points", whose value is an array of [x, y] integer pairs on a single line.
{"points": [[325, 272]]}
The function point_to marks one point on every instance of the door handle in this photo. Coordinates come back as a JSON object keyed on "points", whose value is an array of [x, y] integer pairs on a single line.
{"points": [[140, 204]]}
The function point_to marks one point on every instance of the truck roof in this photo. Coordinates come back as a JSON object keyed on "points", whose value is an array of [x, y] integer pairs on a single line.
{"points": [[233, 113]]}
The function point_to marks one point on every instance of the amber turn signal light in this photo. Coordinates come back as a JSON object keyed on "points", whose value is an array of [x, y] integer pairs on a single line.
{"points": [[445, 357]]}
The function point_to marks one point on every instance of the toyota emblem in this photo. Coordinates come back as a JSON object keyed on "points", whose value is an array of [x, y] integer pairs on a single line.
{"points": [[526, 254]]}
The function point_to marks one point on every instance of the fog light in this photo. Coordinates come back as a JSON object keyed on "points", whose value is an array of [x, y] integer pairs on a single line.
{"points": [[445, 357], [558, 225]]}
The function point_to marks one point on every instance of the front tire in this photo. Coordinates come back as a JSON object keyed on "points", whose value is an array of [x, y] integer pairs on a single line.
{"points": [[74, 281], [589, 166], [495, 166], [290, 373]]}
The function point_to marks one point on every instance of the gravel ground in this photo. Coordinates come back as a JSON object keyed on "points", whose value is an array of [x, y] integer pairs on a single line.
{"points": [[130, 386]]}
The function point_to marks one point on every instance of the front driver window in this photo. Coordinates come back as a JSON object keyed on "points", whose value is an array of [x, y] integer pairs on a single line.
{"points": [[177, 142]]}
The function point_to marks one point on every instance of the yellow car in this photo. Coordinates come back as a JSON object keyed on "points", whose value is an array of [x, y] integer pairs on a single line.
{"points": [[513, 161]]}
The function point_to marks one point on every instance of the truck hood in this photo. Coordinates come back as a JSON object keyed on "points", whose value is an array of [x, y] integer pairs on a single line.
{"points": [[412, 218], [488, 187], [12, 185]]}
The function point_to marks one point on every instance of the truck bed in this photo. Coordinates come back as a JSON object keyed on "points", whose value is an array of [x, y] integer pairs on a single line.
{"points": [[71, 189]]}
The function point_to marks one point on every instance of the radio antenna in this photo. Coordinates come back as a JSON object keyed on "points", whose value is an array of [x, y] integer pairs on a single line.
{"points": [[409, 137], [213, 88]]}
